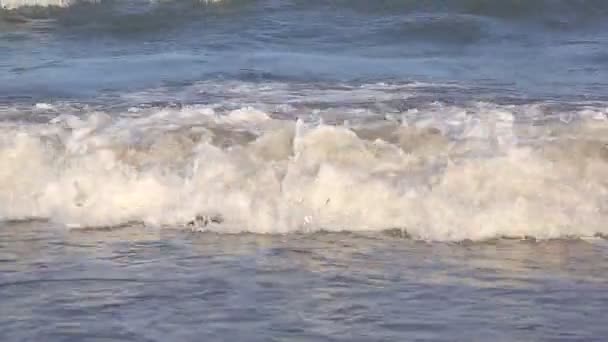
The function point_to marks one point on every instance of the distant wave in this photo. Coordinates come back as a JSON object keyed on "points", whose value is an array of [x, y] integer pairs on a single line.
{"points": [[129, 16], [504, 9], [458, 21], [13, 4]]}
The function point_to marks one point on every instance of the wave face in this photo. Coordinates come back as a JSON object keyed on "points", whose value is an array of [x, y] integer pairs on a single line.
{"points": [[507, 8], [440, 172]]}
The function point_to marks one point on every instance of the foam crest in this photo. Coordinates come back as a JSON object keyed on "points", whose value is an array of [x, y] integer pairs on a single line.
{"points": [[13, 4], [458, 175]]}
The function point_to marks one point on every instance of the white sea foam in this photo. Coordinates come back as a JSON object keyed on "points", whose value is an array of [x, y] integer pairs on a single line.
{"points": [[444, 173], [12, 4]]}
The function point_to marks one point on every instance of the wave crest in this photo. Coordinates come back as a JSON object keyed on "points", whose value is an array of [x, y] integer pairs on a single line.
{"points": [[468, 176]]}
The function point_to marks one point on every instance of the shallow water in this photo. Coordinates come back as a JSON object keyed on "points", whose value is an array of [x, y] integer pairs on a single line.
{"points": [[131, 284]]}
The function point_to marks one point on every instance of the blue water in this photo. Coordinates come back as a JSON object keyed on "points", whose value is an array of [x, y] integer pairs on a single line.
{"points": [[133, 286], [550, 48], [444, 180]]}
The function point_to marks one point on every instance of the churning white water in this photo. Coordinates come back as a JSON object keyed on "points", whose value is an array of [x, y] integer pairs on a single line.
{"points": [[440, 173]]}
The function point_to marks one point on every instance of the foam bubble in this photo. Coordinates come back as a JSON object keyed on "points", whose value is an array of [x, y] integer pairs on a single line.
{"points": [[446, 173], [13, 4]]}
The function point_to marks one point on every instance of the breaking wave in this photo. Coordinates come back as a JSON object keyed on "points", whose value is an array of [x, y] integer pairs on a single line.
{"points": [[439, 173]]}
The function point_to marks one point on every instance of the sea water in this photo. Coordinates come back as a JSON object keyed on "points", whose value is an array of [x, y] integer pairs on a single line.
{"points": [[303, 170]]}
